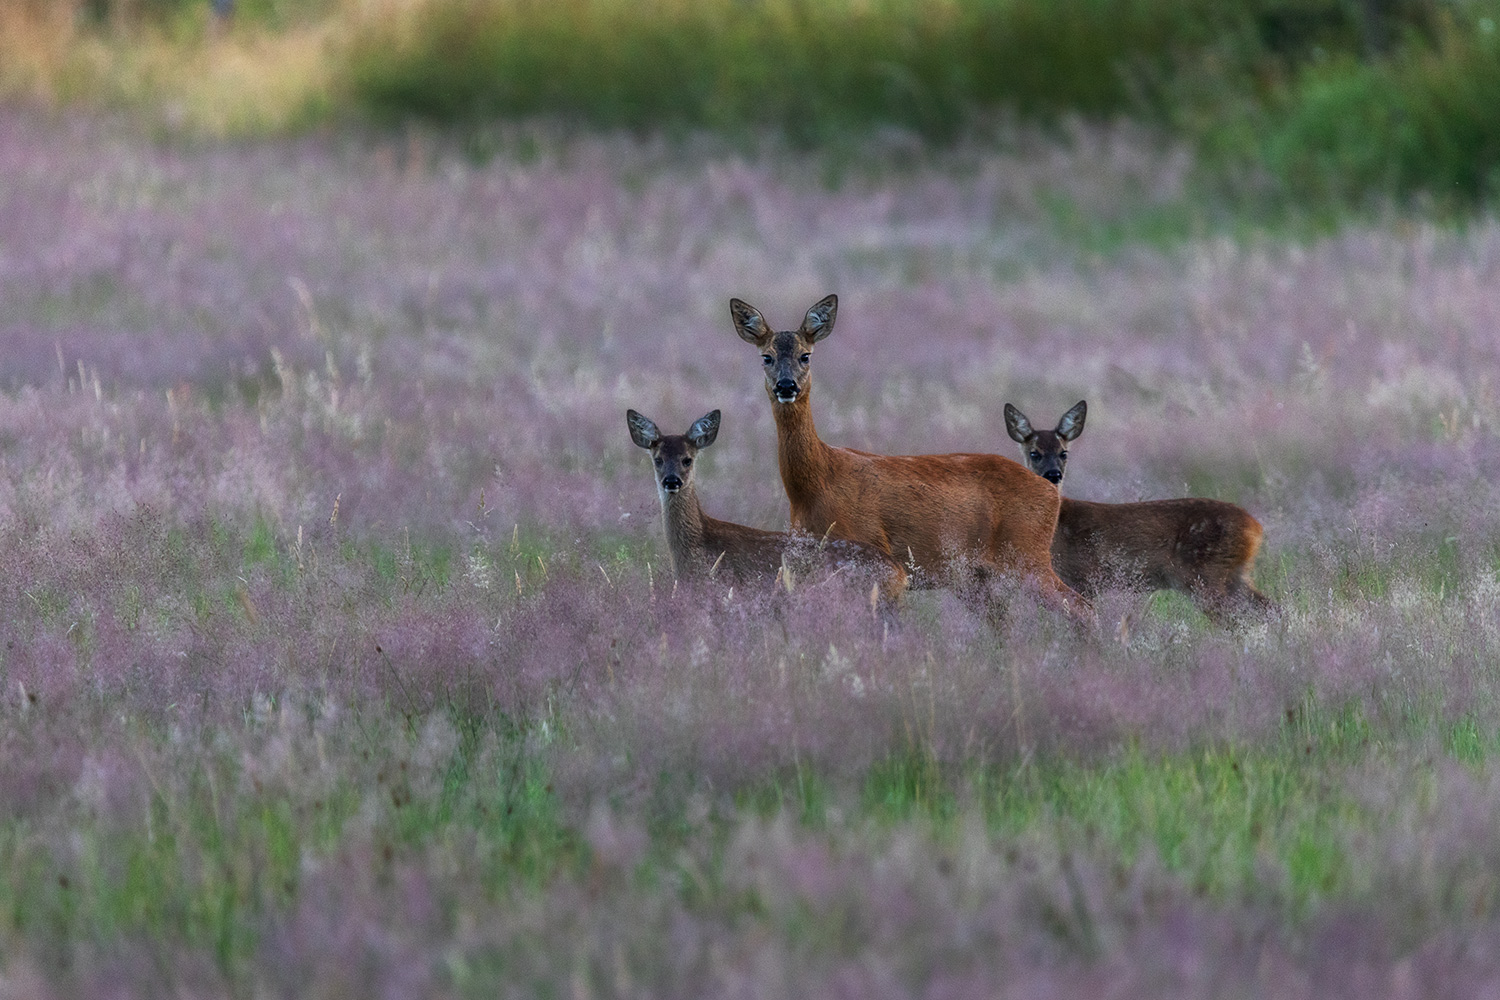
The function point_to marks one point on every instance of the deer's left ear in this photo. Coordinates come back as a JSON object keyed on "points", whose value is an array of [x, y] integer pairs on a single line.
{"points": [[642, 431], [1071, 424], [1016, 425], [818, 323], [704, 430], [748, 322]]}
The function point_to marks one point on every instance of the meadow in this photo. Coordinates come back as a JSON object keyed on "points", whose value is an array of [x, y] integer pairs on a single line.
{"points": [[341, 657]]}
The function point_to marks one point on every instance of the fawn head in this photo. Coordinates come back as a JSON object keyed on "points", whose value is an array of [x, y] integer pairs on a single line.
{"points": [[673, 455], [1046, 451], [785, 355]]}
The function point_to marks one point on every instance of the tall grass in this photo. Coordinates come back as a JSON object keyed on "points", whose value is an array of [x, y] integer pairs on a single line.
{"points": [[337, 654]]}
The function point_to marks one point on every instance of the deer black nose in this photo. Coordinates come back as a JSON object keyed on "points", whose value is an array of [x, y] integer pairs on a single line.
{"points": [[671, 484], [1052, 476], [786, 389]]}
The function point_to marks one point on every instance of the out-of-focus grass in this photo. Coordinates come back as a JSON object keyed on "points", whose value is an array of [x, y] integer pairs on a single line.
{"points": [[1300, 110], [202, 847], [254, 80], [205, 851]]}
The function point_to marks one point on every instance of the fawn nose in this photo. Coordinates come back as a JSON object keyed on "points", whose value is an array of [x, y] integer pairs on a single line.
{"points": [[1053, 476], [786, 390], [671, 484]]}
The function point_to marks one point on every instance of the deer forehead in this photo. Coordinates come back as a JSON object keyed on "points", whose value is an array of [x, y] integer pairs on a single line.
{"points": [[675, 446], [788, 342], [1046, 441]]}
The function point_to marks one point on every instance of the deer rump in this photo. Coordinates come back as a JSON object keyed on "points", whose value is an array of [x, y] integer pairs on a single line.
{"points": [[1194, 545]]}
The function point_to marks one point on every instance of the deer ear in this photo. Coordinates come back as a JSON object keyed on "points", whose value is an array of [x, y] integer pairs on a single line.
{"points": [[818, 323], [1071, 424], [748, 322], [642, 431], [1016, 425], [704, 430]]}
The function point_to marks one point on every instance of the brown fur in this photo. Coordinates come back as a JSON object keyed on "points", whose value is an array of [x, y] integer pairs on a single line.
{"points": [[700, 545], [1203, 548], [931, 511]]}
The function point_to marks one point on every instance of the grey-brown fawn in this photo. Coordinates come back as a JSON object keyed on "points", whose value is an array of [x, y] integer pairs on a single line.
{"points": [[1200, 547], [701, 545], [959, 518]]}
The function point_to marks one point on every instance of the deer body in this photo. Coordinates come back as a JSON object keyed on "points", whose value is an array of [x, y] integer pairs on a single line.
{"points": [[937, 513], [700, 545], [1203, 548]]}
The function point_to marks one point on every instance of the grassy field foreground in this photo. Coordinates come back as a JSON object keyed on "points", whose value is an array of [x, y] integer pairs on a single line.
{"points": [[340, 657]]}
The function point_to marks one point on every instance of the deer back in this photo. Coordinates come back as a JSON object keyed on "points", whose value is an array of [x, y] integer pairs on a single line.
{"points": [[1155, 545]]}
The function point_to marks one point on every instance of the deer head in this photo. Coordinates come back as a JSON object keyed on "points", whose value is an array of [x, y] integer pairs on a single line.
{"points": [[673, 455], [785, 355], [1046, 452]]}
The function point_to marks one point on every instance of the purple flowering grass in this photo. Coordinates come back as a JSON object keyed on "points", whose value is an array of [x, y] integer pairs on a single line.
{"points": [[326, 554]]}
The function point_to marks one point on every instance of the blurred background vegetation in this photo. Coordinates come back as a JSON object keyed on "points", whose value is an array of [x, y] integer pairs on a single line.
{"points": [[1339, 103]]}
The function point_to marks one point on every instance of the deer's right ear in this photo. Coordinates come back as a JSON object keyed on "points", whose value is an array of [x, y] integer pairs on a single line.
{"points": [[748, 322], [818, 323], [704, 430], [642, 431], [1071, 424], [1016, 425]]}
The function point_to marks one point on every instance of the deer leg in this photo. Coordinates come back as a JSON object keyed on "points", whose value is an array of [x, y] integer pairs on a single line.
{"points": [[992, 592], [1234, 604], [886, 596]]}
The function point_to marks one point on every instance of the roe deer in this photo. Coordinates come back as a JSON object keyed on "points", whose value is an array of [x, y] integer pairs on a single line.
{"points": [[700, 544], [964, 517], [1203, 548]]}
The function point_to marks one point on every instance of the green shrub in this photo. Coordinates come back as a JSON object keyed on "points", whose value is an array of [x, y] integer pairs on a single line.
{"points": [[807, 67], [1425, 120]]}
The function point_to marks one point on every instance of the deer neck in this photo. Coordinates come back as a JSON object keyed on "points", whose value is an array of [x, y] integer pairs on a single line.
{"points": [[802, 455], [682, 517]]}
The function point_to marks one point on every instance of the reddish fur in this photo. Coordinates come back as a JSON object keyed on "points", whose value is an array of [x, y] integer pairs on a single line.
{"points": [[929, 510], [926, 508]]}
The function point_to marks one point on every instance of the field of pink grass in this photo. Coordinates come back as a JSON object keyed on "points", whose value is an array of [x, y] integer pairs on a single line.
{"points": [[341, 656]]}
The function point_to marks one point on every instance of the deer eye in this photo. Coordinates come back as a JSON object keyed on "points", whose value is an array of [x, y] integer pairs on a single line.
{"points": [[768, 359], [686, 462], [805, 358], [1062, 454], [657, 460]]}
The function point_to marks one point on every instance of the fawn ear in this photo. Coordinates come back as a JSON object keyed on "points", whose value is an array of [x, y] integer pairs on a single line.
{"points": [[818, 323], [704, 430], [748, 322], [1016, 425], [1071, 424], [642, 431]]}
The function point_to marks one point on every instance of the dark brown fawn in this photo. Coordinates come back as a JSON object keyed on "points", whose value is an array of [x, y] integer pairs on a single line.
{"points": [[703, 545], [962, 518], [1202, 548]]}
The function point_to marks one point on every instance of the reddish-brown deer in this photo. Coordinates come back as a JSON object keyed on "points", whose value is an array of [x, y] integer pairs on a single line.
{"points": [[702, 545], [1200, 547], [965, 519]]}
